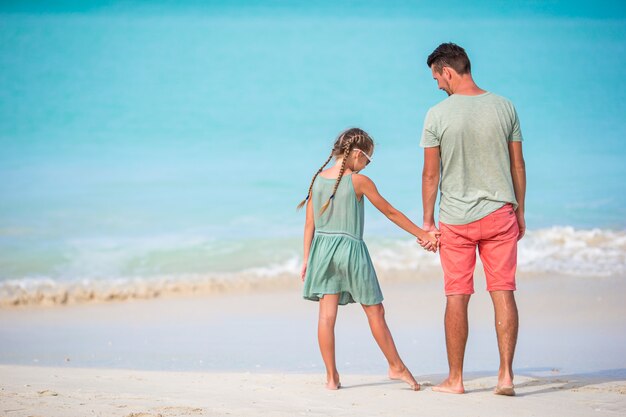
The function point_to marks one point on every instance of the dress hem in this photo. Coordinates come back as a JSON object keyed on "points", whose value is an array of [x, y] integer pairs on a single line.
{"points": [[316, 297]]}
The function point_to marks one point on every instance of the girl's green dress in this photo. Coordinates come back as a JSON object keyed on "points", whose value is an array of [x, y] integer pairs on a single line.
{"points": [[339, 262]]}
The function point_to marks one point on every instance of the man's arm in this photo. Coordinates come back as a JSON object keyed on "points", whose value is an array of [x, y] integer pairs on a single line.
{"points": [[430, 184], [518, 174]]}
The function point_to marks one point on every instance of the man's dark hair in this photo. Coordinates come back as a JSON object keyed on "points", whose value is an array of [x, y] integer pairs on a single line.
{"points": [[450, 55]]}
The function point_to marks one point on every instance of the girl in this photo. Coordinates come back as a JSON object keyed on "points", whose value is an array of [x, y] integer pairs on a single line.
{"points": [[337, 268]]}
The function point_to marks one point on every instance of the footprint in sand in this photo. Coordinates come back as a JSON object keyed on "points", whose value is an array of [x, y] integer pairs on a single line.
{"points": [[181, 411], [170, 411]]}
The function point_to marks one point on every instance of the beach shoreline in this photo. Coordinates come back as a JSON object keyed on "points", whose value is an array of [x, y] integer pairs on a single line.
{"points": [[274, 265]]}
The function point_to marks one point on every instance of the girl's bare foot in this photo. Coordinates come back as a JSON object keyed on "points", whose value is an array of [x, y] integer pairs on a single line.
{"points": [[449, 387], [404, 375], [332, 382]]}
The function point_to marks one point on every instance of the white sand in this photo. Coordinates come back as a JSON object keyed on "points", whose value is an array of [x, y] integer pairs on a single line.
{"points": [[38, 391]]}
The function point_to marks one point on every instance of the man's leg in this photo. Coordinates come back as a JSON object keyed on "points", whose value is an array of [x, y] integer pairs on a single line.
{"points": [[456, 339], [458, 260], [498, 251], [507, 324]]}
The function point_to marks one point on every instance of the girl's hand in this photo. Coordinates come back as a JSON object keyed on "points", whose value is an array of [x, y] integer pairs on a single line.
{"points": [[303, 272], [430, 240]]}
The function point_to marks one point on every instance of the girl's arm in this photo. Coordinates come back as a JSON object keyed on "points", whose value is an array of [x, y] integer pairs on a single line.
{"points": [[309, 230], [365, 186]]}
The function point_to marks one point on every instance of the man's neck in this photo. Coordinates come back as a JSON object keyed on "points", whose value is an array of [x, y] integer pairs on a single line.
{"points": [[467, 87]]}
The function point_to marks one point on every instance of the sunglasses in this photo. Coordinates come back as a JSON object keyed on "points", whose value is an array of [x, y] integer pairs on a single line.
{"points": [[369, 158]]}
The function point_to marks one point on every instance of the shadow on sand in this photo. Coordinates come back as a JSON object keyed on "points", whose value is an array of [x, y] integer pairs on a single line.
{"points": [[544, 380]]}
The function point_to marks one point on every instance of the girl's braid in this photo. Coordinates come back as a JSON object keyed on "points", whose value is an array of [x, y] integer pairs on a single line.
{"points": [[308, 195], [347, 147]]}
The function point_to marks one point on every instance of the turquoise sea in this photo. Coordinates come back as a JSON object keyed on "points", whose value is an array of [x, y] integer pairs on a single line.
{"points": [[173, 140]]}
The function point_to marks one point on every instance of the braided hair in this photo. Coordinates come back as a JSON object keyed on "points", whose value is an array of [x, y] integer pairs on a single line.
{"points": [[353, 138], [303, 202]]}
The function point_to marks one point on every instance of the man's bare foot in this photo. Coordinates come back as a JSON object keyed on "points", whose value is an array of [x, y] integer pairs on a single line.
{"points": [[507, 390], [406, 376], [333, 383], [450, 388], [505, 380]]}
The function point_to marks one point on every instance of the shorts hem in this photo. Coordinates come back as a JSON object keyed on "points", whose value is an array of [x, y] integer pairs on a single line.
{"points": [[459, 293], [502, 288]]}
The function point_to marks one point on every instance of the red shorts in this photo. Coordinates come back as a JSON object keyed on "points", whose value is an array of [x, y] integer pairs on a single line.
{"points": [[495, 235]]}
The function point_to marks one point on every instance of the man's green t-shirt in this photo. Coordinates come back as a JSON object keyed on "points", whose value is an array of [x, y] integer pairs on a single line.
{"points": [[473, 133]]}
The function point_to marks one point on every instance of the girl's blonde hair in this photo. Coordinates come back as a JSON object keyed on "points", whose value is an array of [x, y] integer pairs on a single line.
{"points": [[348, 140]]}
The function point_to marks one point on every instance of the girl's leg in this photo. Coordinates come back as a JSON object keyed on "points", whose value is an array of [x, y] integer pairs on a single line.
{"points": [[380, 331], [326, 337]]}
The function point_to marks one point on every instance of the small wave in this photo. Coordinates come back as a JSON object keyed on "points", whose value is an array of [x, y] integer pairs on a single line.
{"points": [[557, 250], [50, 292], [562, 250], [565, 250], [47, 292]]}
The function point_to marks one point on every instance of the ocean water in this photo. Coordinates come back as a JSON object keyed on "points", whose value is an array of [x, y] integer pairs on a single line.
{"points": [[171, 142]]}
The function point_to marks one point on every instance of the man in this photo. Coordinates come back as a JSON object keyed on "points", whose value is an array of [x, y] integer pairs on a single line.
{"points": [[473, 139]]}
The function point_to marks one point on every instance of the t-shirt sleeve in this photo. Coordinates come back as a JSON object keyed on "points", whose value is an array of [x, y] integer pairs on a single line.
{"points": [[516, 131], [430, 137]]}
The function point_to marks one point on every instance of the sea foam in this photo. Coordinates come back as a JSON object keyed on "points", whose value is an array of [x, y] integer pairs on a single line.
{"points": [[277, 263]]}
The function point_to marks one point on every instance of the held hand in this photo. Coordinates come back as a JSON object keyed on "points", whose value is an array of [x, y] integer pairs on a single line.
{"points": [[303, 271], [427, 241], [430, 241], [521, 222]]}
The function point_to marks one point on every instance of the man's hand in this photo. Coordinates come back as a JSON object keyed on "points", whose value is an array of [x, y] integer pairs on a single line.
{"points": [[430, 241], [521, 222], [433, 243]]}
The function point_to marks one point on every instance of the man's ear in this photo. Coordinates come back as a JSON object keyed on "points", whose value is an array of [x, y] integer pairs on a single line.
{"points": [[447, 73]]}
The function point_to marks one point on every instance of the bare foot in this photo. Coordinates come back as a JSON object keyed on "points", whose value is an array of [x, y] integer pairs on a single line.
{"points": [[333, 383], [507, 390], [505, 380], [404, 375], [449, 388]]}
